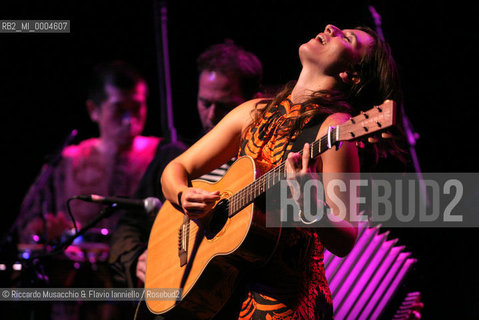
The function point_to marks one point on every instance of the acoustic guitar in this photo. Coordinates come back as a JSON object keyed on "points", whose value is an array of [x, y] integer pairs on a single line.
{"points": [[197, 262]]}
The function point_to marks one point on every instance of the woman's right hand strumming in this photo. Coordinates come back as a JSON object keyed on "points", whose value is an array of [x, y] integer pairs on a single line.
{"points": [[214, 149], [197, 202]]}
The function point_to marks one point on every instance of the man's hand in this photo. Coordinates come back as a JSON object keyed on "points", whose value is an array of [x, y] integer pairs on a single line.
{"points": [[57, 225]]}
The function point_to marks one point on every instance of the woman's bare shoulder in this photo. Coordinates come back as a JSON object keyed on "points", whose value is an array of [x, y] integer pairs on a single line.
{"points": [[245, 112], [337, 118], [333, 120]]}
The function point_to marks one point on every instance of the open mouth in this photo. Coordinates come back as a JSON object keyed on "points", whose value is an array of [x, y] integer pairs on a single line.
{"points": [[321, 39]]}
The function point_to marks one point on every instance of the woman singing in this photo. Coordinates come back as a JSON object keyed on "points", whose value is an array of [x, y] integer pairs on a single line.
{"points": [[342, 71]]}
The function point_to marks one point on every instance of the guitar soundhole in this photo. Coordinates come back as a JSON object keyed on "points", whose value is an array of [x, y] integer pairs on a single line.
{"points": [[217, 219]]}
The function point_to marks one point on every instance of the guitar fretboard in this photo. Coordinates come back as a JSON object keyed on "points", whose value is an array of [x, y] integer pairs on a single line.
{"points": [[248, 194]]}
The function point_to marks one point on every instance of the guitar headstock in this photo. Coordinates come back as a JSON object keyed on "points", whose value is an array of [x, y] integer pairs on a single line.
{"points": [[367, 123]]}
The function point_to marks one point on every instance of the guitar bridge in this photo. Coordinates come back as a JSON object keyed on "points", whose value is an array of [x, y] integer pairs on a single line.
{"points": [[183, 235]]}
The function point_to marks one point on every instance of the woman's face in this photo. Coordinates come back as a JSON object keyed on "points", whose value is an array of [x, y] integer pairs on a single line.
{"points": [[334, 50]]}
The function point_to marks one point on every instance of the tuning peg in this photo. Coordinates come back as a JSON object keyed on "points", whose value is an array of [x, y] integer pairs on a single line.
{"points": [[373, 139], [360, 144], [386, 135]]}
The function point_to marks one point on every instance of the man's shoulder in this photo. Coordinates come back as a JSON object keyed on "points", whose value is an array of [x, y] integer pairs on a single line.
{"points": [[144, 143], [167, 144], [85, 147]]}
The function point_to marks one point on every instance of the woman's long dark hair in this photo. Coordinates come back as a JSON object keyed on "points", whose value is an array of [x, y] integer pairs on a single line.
{"points": [[379, 76], [379, 81]]}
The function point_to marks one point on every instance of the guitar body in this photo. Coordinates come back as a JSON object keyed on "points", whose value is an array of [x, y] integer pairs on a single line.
{"points": [[203, 258], [214, 258]]}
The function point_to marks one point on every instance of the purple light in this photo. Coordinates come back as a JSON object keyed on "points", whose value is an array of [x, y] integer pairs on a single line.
{"points": [[26, 255], [36, 238], [104, 231]]}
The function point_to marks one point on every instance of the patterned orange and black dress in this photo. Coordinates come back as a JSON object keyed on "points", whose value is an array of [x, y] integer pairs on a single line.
{"points": [[292, 285]]}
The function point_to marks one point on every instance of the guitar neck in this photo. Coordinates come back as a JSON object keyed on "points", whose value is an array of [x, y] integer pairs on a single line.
{"points": [[366, 123], [251, 192]]}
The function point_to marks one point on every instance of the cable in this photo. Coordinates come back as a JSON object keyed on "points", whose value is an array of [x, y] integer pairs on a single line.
{"points": [[71, 214]]}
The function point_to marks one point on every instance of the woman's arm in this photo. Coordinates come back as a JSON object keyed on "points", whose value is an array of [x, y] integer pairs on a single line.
{"points": [[337, 235], [211, 151]]}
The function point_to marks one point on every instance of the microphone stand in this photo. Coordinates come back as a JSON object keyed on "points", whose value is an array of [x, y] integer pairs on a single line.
{"points": [[105, 213], [33, 265], [411, 135], [163, 63], [36, 274]]}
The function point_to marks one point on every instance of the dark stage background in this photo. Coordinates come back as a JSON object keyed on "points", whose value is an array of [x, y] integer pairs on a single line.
{"points": [[44, 77]]}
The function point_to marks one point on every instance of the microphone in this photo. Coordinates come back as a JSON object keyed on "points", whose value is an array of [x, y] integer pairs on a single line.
{"points": [[149, 204]]}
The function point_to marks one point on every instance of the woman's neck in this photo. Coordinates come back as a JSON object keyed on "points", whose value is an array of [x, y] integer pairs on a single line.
{"points": [[309, 82]]}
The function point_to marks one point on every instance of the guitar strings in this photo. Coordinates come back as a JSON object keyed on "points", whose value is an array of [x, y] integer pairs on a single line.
{"points": [[238, 201]]}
